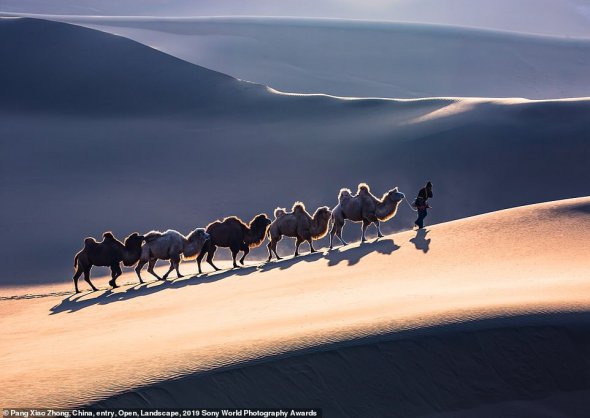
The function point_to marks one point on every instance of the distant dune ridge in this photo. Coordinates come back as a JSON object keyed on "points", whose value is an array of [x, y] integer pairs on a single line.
{"points": [[368, 59], [425, 323], [103, 133], [564, 18]]}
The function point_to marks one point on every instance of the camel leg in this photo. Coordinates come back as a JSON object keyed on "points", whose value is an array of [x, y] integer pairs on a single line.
{"points": [[165, 276], [138, 268], [339, 234], [274, 242], [332, 232], [150, 269], [297, 244], [274, 249], [177, 267], [210, 255], [269, 247], [200, 258], [337, 230], [87, 278], [379, 233], [79, 271], [246, 251], [234, 254], [312, 250], [364, 229], [115, 272]]}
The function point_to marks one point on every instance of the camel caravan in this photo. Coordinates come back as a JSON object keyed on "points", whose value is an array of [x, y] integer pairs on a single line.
{"points": [[233, 233]]}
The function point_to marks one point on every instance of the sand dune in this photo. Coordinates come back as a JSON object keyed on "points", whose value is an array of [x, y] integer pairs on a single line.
{"points": [[551, 17], [423, 324], [368, 59], [108, 157], [59, 69]]}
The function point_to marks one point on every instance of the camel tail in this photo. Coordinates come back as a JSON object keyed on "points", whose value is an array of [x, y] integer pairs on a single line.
{"points": [[76, 261]]}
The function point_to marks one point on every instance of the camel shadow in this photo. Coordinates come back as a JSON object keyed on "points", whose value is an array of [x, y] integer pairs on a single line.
{"points": [[420, 241], [285, 263], [78, 301], [354, 255]]}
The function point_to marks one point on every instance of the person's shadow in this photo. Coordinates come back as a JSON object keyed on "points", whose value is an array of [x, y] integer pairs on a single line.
{"points": [[420, 241]]}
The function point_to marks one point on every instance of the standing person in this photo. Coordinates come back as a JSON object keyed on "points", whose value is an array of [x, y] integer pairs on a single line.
{"points": [[421, 204]]}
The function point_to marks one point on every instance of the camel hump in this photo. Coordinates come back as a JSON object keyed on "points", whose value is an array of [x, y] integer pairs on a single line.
{"points": [[363, 187], [279, 212], [89, 242], [152, 235], [344, 194], [298, 207], [108, 236]]}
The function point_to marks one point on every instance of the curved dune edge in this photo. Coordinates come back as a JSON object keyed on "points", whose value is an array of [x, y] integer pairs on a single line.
{"points": [[528, 365], [80, 349], [383, 59]]}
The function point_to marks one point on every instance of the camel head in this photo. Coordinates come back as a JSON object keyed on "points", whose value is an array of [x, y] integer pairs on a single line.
{"points": [[394, 195], [257, 230], [198, 235], [134, 241], [323, 213], [260, 221], [321, 222]]}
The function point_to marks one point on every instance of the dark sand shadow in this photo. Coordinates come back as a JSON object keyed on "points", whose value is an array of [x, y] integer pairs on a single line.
{"points": [[544, 346], [420, 241], [581, 209]]}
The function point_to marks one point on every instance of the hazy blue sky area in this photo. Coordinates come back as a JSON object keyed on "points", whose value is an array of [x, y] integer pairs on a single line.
{"points": [[551, 17]]}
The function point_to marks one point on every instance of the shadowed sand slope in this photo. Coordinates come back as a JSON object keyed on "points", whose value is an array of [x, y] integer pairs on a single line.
{"points": [[58, 68], [487, 312], [368, 59], [117, 136]]}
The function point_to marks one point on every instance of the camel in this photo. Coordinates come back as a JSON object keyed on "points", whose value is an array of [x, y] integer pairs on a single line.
{"points": [[234, 234], [298, 224], [363, 207], [170, 245], [108, 253]]}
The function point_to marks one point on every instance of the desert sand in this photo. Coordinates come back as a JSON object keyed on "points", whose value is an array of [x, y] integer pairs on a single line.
{"points": [[114, 135], [482, 315]]}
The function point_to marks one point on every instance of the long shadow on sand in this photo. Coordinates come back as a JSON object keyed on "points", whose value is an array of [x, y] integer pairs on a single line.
{"points": [[334, 257], [76, 302], [353, 255]]}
